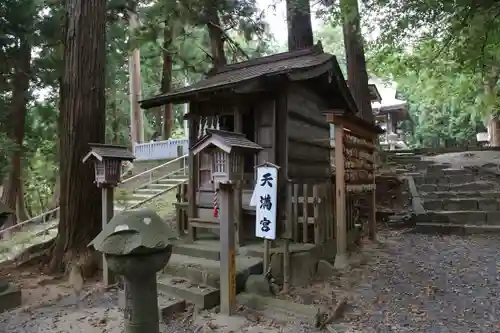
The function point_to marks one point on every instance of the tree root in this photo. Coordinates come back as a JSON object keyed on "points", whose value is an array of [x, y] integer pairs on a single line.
{"points": [[36, 254]]}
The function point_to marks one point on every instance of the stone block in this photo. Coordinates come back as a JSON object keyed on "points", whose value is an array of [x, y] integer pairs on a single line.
{"points": [[493, 218], [427, 188], [259, 285], [302, 267], [488, 204], [433, 204], [466, 217], [325, 270], [10, 298], [202, 296], [459, 204]]}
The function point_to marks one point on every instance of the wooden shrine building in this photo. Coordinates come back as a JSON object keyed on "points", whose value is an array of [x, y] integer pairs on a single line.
{"points": [[271, 109]]}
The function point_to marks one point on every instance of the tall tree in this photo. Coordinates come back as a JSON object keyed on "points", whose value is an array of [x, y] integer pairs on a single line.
{"points": [[298, 17], [357, 76], [82, 121]]}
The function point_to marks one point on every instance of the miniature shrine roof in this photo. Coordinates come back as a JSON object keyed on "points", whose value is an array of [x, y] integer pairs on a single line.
{"points": [[300, 65], [224, 140], [101, 151]]}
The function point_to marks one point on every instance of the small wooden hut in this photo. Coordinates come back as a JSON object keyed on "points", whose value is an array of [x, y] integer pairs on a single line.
{"points": [[279, 105]]}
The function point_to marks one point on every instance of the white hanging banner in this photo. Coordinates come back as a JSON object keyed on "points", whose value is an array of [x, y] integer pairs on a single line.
{"points": [[264, 198]]}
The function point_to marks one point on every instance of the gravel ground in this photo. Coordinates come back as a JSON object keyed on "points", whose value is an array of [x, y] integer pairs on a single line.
{"points": [[412, 283], [427, 283]]}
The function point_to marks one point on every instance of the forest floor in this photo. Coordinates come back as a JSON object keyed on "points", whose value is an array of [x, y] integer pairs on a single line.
{"points": [[408, 283]]}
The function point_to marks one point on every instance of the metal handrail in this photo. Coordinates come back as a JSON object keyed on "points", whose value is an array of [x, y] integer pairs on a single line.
{"points": [[125, 181], [146, 172]]}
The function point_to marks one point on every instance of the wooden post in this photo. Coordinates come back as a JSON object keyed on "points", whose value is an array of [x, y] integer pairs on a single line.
{"points": [[192, 212], [372, 223], [107, 214], [227, 253], [341, 234]]}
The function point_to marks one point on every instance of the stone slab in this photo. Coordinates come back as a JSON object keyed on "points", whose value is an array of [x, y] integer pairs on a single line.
{"points": [[277, 307], [204, 297], [461, 204], [457, 217], [206, 251], [10, 298], [440, 228], [207, 272]]}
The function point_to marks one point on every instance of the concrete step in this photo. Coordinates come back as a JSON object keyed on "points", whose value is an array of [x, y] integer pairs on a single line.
{"points": [[471, 186], [463, 217], [207, 272], [141, 196], [204, 297], [461, 204], [461, 195]]}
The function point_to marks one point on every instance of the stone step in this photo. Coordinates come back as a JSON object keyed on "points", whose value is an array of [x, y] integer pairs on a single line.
{"points": [[207, 272], [461, 195], [202, 296], [161, 186], [430, 172], [175, 180], [141, 195], [463, 217], [168, 304], [198, 250], [472, 186], [461, 204], [447, 228], [445, 179], [148, 191]]}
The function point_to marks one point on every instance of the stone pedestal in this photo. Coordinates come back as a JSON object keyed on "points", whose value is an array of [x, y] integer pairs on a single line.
{"points": [[140, 297], [10, 296]]}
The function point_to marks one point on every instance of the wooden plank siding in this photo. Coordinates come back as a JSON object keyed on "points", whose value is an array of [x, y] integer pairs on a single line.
{"points": [[308, 136]]}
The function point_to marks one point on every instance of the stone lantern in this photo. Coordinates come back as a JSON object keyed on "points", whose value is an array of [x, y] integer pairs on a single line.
{"points": [[137, 244]]}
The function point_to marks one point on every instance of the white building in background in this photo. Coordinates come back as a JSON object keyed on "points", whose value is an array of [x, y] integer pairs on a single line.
{"points": [[389, 112]]}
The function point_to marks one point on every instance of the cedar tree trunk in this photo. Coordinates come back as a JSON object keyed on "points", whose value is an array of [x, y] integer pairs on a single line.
{"points": [[216, 36], [13, 194], [166, 83], [298, 17], [357, 77], [83, 114]]}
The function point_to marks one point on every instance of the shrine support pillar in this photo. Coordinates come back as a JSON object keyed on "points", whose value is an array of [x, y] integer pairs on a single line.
{"points": [[341, 261]]}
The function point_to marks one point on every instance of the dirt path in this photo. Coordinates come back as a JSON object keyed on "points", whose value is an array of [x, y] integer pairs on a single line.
{"points": [[425, 283]]}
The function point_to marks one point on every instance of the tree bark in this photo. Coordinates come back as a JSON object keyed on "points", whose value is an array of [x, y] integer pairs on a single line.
{"points": [[83, 116], [216, 36], [12, 194], [357, 76], [136, 117], [166, 82], [298, 17]]}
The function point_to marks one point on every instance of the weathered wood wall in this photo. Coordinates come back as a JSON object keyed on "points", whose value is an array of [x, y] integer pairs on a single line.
{"points": [[308, 135]]}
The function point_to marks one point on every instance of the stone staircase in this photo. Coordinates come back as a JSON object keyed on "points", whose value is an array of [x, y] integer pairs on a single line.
{"points": [[449, 200], [192, 275], [144, 193]]}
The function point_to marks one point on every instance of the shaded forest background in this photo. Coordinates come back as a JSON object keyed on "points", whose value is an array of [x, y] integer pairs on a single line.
{"points": [[60, 89]]}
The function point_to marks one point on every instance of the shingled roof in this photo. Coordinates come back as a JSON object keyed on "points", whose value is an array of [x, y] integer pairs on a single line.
{"points": [[239, 74], [225, 140]]}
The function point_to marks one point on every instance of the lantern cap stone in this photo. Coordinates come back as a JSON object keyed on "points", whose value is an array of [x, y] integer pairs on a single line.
{"points": [[139, 231], [102, 151]]}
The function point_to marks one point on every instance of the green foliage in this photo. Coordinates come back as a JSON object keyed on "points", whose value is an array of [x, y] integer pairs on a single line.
{"points": [[43, 22]]}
